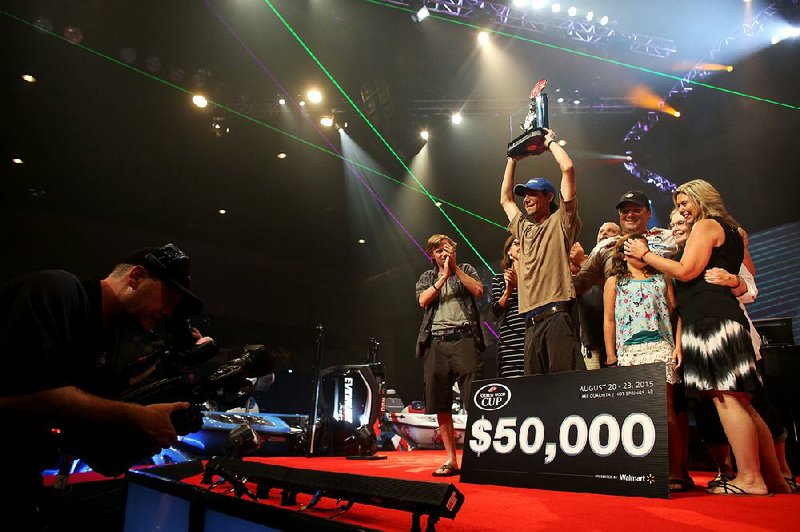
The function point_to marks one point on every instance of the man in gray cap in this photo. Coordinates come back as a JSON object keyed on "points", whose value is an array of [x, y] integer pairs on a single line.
{"points": [[544, 282], [60, 337]]}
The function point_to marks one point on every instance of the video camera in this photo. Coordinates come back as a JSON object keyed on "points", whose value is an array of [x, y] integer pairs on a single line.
{"points": [[179, 372]]}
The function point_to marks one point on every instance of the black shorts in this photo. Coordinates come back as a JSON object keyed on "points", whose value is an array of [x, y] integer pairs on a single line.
{"points": [[448, 362]]}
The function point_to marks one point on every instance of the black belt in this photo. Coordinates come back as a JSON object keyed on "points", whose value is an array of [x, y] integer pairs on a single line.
{"points": [[452, 334], [546, 313]]}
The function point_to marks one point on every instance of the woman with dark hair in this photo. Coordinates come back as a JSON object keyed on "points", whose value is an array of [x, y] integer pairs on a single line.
{"points": [[718, 356], [511, 345]]}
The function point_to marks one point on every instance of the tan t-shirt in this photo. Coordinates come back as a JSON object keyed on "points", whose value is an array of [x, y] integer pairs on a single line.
{"points": [[543, 274]]}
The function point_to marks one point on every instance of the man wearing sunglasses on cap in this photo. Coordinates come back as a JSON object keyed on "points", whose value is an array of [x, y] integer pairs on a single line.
{"points": [[59, 339]]}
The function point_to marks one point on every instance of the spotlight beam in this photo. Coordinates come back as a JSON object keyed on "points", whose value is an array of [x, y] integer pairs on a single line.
{"points": [[595, 57], [375, 130], [356, 171]]}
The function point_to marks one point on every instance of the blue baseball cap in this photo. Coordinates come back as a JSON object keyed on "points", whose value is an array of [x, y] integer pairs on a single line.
{"points": [[537, 183]]}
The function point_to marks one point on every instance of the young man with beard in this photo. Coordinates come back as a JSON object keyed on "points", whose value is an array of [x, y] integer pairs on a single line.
{"points": [[545, 231]]}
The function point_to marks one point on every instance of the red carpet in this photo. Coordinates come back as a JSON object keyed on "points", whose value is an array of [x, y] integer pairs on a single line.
{"points": [[502, 508]]}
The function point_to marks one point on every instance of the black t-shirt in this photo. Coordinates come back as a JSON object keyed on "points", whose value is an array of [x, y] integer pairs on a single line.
{"points": [[51, 335]]}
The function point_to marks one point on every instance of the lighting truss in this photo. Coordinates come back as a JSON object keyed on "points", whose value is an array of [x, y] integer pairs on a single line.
{"points": [[682, 89], [573, 28]]}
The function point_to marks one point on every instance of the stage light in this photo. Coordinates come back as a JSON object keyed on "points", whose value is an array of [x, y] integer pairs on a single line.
{"points": [[520, 3], [729, 68], [421, 15], [282, 101], [572, 11], [576, 101], [281, 155], [562, 142], [786, 33], [326, 121], [483, 37], [302, 103], [560, 99], [314, 96], [538, 4], [556, 8], [603, 20], [456, 118], [16, 161], [424, 134], [29, 78], [676, 114], [589, 16], [222, 211], [362, 241], [200, 101], [438, 203]]}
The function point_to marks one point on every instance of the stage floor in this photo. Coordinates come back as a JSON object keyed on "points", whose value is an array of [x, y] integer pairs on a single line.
{"points": [[503, 508]]}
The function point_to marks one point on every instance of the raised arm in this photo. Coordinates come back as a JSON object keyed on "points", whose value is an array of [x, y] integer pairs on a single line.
{"points": [[564, 163], [507, 200]]}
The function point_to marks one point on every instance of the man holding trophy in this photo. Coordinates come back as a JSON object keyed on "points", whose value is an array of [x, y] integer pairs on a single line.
{"points": [[544, 282]]}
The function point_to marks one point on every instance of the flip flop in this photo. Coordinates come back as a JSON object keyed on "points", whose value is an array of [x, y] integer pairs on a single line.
{"points": [[447, 470], [727, 488], [718, 480]]}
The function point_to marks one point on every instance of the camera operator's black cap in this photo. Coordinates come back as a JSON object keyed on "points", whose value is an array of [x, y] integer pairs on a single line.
{"points": [[172, 265]]}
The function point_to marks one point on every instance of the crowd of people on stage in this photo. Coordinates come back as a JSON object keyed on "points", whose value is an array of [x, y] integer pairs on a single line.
{"points": [[673, 296], [641, 296]]}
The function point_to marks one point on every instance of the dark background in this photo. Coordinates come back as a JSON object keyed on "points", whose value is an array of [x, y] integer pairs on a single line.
{"points": [[117, 157]]}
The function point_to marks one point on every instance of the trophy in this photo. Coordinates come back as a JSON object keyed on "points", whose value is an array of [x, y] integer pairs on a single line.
{"points": [[531, 141]]}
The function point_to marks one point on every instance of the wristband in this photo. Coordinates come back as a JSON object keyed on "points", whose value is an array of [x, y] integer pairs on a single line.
{"points": [[643, 256], [434, 286], [547, 144]]}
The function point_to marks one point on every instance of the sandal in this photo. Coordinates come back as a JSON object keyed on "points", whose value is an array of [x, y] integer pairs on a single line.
{"points": [[727, 488], [792, 484], [718, 480], [447, 470]]}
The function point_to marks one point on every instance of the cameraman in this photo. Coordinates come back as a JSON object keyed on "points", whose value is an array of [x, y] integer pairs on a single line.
{"points": [[59, 339]]}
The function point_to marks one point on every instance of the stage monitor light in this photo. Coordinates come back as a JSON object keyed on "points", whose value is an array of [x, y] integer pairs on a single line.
{"points": [[603, 20], [556, 8], [456, 118], [314, 96], [200, 101], [326, 121], [29, 78], [572, 11], [424, 134]]}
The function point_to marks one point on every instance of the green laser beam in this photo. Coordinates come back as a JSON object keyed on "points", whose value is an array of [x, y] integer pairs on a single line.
{"points": [[249, 118], [591, 56], [374, 129]]}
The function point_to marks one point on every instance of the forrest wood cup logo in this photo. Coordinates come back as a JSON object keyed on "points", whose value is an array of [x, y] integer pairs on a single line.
{"points": [[492, 397]]}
